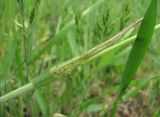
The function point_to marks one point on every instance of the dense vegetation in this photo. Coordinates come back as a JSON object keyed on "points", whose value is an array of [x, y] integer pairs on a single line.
{"points": [[105, 74]]}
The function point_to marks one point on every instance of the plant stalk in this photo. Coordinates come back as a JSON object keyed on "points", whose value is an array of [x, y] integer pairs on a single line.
{"points": [[73, 63]]}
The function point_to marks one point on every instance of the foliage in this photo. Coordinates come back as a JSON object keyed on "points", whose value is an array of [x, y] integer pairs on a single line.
{"points": [[38, 37]]}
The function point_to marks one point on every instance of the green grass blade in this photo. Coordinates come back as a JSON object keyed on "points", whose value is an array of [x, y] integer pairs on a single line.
{"points": [[46, 77], [72, 43], [42, 103], [140, 45], [138, 51], [16, 92], [96, 107], [10, 57]]}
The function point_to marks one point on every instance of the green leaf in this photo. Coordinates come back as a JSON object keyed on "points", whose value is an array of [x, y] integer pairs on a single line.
{"points": [[10, 57], [140, 45], [138, 50], [72, 43], [96, 107], [42, 103]]}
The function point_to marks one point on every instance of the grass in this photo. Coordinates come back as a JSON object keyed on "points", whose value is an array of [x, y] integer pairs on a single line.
{"points": [[67, 58], [139, 48], [143, 39]]}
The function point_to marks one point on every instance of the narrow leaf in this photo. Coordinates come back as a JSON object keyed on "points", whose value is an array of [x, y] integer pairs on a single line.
{"points": [[138, 50], [42, 103], [72, 43], [140, 45], [10, 57]]}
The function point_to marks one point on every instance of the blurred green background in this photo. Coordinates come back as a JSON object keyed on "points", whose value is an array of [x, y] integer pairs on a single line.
{"points": [[27, 26]]}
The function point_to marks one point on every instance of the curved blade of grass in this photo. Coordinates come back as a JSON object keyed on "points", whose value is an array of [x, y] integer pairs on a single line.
{"points": [[139, 49]]}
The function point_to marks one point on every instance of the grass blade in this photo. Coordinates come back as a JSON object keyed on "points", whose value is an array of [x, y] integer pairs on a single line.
{"points": [[140, 45], [45, 78], [10, 57], [138, 51], [63, 69], [42, 103], [72, 43]]}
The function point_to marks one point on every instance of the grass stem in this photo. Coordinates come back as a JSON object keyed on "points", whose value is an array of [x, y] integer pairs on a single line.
{"points": [[73, 63]]}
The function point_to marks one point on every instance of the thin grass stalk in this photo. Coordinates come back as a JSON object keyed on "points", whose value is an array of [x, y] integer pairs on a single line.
{"points": [[31, 86], [25, 39], [68, 66]]}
